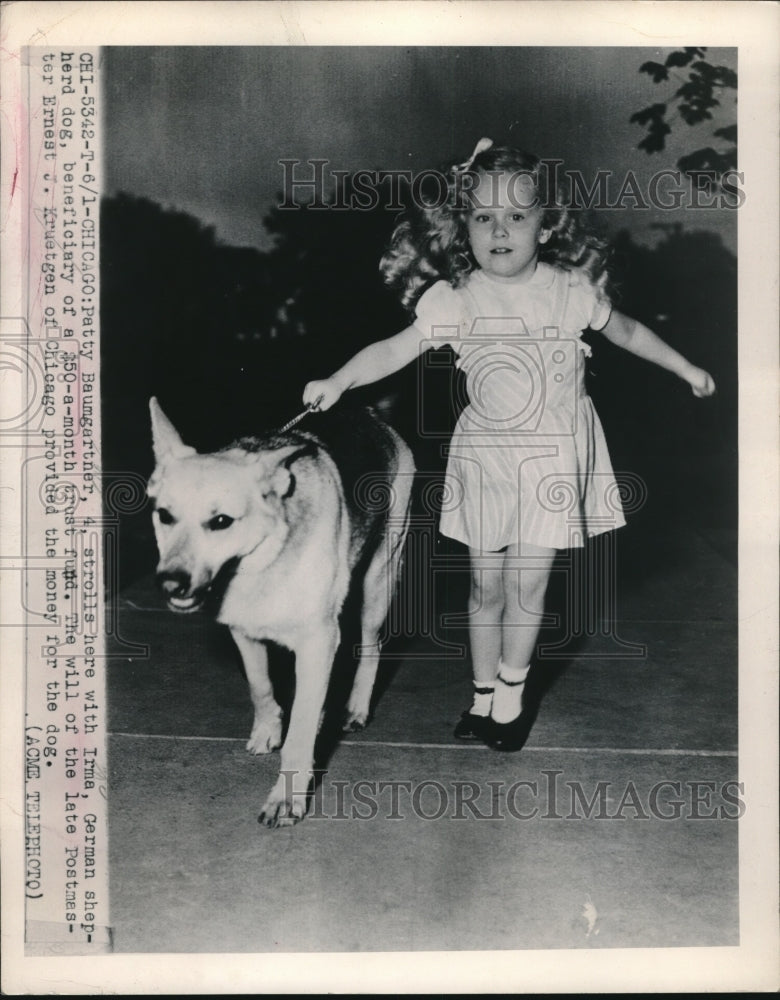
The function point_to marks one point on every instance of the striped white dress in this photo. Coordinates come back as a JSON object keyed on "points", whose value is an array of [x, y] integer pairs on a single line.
{"points": [[528, 461]]}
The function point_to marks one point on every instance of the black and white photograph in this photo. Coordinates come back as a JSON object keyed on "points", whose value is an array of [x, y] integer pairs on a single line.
{"points": [[390, 425]]}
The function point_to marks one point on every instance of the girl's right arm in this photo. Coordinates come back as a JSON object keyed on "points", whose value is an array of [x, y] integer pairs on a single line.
{"points": [[369, 365]]}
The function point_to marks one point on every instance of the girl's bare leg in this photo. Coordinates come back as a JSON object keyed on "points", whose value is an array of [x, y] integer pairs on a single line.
{"points": [[486, 605], [486, 608], [524, 582]]}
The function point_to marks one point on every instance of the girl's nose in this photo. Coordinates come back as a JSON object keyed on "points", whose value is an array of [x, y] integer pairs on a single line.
{"points": [[499, 229]]}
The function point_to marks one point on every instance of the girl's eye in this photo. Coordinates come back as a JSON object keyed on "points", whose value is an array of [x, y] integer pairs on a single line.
{"points": [[165, 515], [517, 218], [220, 522]]}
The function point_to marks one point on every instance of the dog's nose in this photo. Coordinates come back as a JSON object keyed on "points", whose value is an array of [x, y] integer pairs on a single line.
{"points": [[175, 583]]}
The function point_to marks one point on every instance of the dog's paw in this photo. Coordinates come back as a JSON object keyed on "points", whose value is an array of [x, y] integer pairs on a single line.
{"points": [[283, 807], [354, 721], [266, 736], [356, 713]]}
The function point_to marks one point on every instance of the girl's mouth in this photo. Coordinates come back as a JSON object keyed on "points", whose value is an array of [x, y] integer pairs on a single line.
{"points": [[501, 250]]}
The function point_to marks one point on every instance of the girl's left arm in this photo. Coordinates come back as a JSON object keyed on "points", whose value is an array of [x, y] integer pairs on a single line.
{"points": [[638, 339]]}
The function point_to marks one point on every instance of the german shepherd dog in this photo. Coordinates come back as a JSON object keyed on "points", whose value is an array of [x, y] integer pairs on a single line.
{"points": [[268, 535]]}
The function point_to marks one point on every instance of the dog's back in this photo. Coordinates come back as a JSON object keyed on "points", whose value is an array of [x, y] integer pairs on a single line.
{"points": [[369, 456]]}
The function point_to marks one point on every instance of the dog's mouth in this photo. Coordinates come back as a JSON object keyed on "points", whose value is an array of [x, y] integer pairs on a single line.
{"points": [[186, 605], [185, 599]]}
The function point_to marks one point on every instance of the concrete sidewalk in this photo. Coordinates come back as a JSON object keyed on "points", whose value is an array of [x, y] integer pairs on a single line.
{"points": [[621, 744]]}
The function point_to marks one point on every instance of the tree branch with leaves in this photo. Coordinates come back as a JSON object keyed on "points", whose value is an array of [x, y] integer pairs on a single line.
{"points": [[700, 92]]}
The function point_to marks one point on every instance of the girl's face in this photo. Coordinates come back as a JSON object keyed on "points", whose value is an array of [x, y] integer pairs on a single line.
{"points": [[505, 226]]}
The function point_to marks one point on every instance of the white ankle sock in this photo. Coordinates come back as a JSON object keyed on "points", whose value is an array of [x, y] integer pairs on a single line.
{"points": [[508, 698], [483, 697]]}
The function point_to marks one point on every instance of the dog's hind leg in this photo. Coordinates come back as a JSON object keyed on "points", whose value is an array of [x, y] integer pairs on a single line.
{"points": [[378, 590], [267, 729], [287, 801], [379, 586]]}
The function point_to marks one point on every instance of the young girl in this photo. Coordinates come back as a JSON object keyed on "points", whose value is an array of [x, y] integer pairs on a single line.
{"points": [[509, 278]]}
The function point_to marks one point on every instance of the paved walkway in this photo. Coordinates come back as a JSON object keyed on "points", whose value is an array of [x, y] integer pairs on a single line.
{"points": [[613, 827]]}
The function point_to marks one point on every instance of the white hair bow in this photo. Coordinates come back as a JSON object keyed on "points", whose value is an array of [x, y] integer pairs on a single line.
{"points": [[480, 147]]}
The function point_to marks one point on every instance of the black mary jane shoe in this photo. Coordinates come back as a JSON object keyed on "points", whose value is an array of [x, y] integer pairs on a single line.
{"points": [[508, 737], [472, 727]]}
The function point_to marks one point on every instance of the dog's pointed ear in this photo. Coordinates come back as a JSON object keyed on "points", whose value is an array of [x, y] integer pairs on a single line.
{"points": [[165, 438], [282, 482], [282, 478]]}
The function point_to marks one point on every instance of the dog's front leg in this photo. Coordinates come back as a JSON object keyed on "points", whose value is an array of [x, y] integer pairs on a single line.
{"points": [[287, 801], [267, 729]]}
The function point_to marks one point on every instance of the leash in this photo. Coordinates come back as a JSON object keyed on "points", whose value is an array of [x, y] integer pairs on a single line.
{"points": [[304, 413]]}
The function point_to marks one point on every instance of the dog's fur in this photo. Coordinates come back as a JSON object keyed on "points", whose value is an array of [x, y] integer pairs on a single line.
{"points": [[268, 534]]}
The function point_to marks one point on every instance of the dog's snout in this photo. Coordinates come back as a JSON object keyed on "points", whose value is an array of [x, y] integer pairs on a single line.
{"points": [[174, 583]]}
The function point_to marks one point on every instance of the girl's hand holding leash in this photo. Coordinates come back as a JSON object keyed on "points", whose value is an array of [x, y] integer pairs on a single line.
{"points": [[321, 394], [701, 382]]}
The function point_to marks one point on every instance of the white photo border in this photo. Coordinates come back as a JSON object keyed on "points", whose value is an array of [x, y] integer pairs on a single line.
{"points": [[752, 27]]}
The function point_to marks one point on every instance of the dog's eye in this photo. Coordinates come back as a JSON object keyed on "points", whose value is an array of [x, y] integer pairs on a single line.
{"points": [[220, 522], [165, 515]]}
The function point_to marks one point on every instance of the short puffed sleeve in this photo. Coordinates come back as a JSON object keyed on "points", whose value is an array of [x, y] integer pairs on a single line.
{"points": [[588, 305], [439, 313]]}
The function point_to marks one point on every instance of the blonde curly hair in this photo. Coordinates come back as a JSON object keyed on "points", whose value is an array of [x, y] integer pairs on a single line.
{"points": [[431, 241]]}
